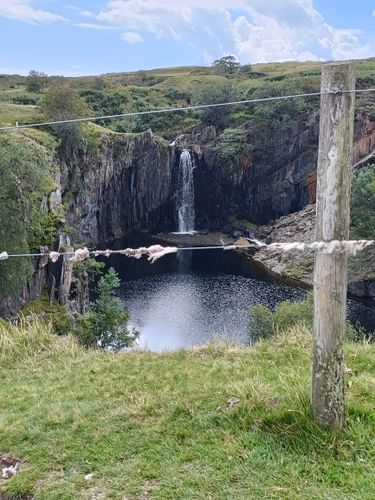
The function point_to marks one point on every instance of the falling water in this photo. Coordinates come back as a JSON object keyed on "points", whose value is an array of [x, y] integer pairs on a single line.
{"points": [[185, 194]]}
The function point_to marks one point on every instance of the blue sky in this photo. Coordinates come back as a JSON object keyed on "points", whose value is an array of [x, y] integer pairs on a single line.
{"points": [[74, 37]]}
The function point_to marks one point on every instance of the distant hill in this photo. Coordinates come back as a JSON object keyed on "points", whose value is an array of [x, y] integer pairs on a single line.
{"points": [[115, 93]]}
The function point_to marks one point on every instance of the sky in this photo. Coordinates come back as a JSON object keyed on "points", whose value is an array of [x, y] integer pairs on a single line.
{"points": [[83, 37]]}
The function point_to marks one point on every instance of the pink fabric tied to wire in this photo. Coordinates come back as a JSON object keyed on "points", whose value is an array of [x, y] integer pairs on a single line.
{"points": [[155, 252], [80, 254], [54, 256]]}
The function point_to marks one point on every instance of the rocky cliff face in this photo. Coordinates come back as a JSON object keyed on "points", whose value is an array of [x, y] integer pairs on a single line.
{"points": [[300, 226], [277, 178], [128, 183], [126, 186], [283, 177], [123, 184]]}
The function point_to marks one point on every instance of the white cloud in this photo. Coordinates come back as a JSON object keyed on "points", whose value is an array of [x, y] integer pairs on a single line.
{"points": [[22, 10], [94, 26], [131, 37], [254, 30]]}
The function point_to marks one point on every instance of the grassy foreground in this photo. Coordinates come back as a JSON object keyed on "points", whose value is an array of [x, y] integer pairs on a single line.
{"points": [[164, 426]]}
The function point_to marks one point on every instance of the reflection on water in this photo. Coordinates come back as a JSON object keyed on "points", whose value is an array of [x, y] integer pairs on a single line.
{"points": [[194, 297], [178, 310]]}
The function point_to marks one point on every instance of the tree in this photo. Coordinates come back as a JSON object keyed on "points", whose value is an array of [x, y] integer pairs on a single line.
{"points": [[284, 110], [106, 324], [214, 93], [226, 65], [35, 81], [63, 102]]}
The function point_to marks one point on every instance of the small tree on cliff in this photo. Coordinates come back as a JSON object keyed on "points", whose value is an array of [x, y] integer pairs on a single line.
{"points": [[106, 324], [62, 102]]}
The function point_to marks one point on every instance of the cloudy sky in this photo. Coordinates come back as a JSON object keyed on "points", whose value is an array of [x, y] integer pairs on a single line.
{"points": [[76, 37]]}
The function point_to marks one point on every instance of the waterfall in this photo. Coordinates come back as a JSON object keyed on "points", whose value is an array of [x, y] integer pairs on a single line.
{"points": [[185, 193]]}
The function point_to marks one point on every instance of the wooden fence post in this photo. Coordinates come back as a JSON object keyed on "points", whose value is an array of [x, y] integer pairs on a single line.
{"points": [[332, 223]]}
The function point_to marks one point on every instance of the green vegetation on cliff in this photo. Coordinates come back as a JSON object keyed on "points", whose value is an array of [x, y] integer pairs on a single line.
{"points": [[26, 173], [214, 422]]}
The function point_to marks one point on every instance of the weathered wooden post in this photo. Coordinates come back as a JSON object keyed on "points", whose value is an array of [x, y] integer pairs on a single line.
{"points": [[332, 223]]}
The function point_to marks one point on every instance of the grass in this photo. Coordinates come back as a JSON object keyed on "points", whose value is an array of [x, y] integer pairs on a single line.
{"points": [[21, 113], [301, 268], [160, 426]]}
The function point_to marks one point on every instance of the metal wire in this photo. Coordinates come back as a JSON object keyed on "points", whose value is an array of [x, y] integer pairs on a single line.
{"points": [[186, 108]]}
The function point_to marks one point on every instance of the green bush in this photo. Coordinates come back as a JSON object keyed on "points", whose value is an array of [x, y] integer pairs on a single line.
{"points": [[43, 232], [104, 103], [26, 99], [106, 324], [174, 95], [283, 111], [261, 322], [51, 313], [264, 322], [232, 143], [217, 92]]}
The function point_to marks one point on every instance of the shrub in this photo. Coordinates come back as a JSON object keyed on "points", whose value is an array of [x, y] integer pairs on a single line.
{"points": [[26, 99], [264, 322], [286, 110], [175, 95], [261, 324], [106, 324], [105, 103], [53, 314], [232, 142], [43, 232], [216, 92]]}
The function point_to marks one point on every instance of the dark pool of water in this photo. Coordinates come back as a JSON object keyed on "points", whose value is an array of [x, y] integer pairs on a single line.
{"points": [[194, 297]]}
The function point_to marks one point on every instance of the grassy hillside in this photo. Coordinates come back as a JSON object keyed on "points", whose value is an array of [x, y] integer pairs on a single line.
{"points": [[168, 87], [215, 422]]}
